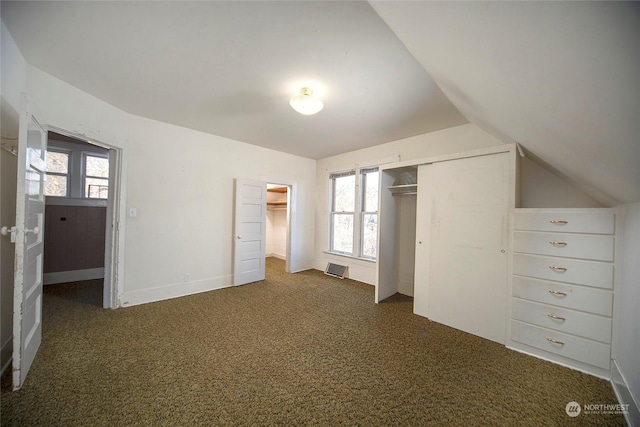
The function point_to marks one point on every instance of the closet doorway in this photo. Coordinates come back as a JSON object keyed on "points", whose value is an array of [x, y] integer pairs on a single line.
{"points": [[278, 243]]}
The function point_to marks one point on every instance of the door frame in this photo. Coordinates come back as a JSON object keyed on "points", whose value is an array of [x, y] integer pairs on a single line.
{"points": [[287, 261], [114, 235], [292, 198]]}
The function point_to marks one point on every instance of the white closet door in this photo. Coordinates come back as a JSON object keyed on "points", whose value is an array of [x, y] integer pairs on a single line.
{"points": [[468, 262]]}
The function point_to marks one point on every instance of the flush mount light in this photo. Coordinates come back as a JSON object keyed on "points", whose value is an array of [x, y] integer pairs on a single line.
{"points": [[306, 103]]}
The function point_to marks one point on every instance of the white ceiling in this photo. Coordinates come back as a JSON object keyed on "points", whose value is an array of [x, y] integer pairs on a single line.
{"points": [[229, 68], [561, 78]]}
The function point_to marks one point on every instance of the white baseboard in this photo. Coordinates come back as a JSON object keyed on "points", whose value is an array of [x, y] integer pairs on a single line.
{"points": [[73, 276], [275, 255], [6, 354], [176, 290], [624, 396]]}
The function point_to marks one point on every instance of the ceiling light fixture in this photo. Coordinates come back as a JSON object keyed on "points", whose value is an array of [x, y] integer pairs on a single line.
{"points": [[306, 103]]}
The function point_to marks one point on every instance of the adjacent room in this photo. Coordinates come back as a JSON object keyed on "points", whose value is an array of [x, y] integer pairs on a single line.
{"points": [[320, 213]]}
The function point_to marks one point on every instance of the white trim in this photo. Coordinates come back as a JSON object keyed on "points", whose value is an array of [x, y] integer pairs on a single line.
{"points": [[505, 148], [7, 353], [116, 212], [73, 276], [338, 254], [74, 201], [175, 290], [623, 393], [274, 255]]}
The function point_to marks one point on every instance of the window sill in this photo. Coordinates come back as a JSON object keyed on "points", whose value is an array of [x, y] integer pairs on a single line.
{"points": [[368, 260]]}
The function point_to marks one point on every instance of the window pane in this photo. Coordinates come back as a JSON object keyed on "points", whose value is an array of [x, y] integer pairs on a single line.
{"points": [[369, 235], [57, 162], [96, 166], [96, 188], [371, 192], [344, 192], [55, 185], [343, 233]]}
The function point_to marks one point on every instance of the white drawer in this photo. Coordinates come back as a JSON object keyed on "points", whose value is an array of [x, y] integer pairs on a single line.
{"points": [[588, 221], [597, 301], [587, 246], [570, 346], [591, 326], [590, 273]]}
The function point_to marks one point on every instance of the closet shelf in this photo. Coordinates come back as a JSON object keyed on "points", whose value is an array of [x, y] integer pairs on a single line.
{"points": [[279, 203], [404, 189]]}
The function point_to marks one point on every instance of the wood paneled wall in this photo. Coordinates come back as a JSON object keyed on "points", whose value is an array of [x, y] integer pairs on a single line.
{"points": [[74, 237]]}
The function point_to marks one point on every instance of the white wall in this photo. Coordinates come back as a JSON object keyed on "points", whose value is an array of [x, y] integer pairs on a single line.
{"points": [[541, 188], [626, 344], [181, 183], [277, 233], [452, 140]]}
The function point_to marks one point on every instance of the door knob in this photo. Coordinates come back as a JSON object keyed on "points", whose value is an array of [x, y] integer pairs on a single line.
{"points": [[34, 230], [238, 237], [6, 230]]}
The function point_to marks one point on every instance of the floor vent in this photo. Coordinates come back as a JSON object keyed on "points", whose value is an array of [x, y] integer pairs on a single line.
{"points": [[336, 270]]}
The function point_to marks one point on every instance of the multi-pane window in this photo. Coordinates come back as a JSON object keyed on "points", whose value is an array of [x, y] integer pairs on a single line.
{"points": [[57, 174], [369, 223], [96, 177], [343, 209], [76, 173], [354, 212]]}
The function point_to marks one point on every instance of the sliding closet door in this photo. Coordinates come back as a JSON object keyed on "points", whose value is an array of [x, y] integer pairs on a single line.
{"points": [[468, 263]]}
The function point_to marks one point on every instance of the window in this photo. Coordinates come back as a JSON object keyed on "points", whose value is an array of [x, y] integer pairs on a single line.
{"points": [[96, 177], [369, 223], [354, 213], [343, 212], [57, 174]]}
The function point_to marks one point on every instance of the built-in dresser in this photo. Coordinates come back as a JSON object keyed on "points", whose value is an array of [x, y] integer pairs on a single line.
{"points": [[562, 288]]}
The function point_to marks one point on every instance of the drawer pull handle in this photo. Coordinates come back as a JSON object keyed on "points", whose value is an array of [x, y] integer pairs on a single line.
{"points": [[553, 316], [560, 269], [560, 294], [559, 244], [555, 341], [559, 222]]}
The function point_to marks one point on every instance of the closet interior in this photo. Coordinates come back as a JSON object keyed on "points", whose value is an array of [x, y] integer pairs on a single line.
{"points": [[277, 208]]}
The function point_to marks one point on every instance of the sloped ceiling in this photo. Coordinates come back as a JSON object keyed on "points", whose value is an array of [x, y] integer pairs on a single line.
{"points": [[230, 68], [560, 78]]}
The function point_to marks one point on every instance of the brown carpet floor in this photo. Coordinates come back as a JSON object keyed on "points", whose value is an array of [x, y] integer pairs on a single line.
{"points": [[293, 350]]}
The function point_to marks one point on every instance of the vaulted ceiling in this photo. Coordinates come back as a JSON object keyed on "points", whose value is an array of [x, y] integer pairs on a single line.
{"points": [[230, 68], [560, 78]]}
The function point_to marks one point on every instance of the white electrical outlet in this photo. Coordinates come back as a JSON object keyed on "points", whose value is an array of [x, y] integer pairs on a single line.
{"points": [[187, 277]]}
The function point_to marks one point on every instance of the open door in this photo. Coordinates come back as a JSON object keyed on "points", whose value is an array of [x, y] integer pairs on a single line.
{"points": [[249, 232], [28, 235]]}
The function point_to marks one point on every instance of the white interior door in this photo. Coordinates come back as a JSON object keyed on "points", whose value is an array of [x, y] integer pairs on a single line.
{"points": [[468, 262], [249, 231], [27, 306]]}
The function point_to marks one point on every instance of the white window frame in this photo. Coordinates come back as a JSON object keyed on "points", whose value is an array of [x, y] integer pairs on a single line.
{"points": [[86, 154], [69, 164], [333, 212], [363, 186], [358, 213]]}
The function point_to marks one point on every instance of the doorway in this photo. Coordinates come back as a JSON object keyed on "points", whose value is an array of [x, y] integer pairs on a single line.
{"points": [[81, 188], [277, 227]]}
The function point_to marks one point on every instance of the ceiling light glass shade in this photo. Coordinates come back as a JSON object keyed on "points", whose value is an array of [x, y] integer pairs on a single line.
{"points": [[306, 103]]}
